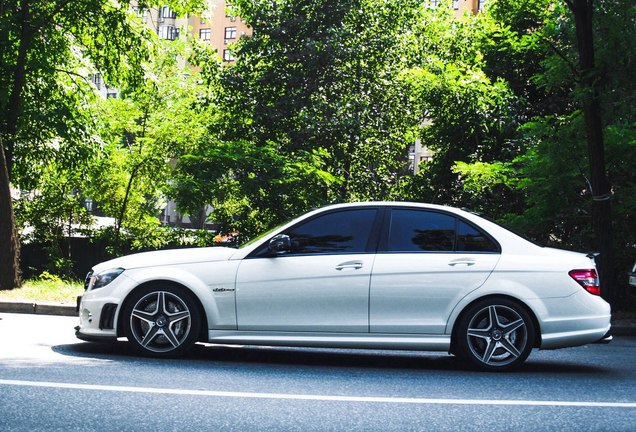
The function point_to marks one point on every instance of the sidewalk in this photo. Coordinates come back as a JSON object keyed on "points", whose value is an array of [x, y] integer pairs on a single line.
{"points": [[40, 308], [623, 324]]}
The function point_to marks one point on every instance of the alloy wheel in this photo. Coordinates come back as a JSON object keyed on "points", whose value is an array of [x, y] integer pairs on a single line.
{"points": [[160, 322]]}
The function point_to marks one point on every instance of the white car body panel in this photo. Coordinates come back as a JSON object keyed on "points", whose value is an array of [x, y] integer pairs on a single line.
{"points": [[322, 293], [424, 287]]}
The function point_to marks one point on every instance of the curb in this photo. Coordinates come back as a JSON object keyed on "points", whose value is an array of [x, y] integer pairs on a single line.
{"points": [[619, 328], [41, 308]]}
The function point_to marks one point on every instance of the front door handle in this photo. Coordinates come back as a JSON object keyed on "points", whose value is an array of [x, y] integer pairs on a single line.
{"points": [[354, 265]]}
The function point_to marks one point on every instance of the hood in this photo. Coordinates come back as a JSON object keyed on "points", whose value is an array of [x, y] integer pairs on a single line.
{"points": [[167, 257]]}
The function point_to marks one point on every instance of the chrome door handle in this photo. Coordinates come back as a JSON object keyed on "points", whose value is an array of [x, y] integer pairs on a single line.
{"points": [[355, 265], [462, 261]]}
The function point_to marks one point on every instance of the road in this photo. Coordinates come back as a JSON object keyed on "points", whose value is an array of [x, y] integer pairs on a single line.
{"points": [[51, 381]]}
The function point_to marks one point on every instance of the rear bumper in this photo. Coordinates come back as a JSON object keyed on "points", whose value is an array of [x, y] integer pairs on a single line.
{"points": [[605, 339]]}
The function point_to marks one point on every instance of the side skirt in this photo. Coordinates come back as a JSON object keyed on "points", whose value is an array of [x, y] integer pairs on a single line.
{"points": [[333, 340]]}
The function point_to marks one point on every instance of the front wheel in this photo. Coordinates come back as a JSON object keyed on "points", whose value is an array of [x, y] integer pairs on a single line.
{"points": [[161, 320], [495, 335]]}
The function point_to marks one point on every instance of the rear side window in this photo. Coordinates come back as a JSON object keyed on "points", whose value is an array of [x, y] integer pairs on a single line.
{"points": [[469, 239], [413, 230], [429, 231]]}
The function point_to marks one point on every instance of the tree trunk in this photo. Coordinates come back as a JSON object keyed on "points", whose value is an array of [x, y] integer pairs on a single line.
{"points": [[9, 249], [601, 188], [9, 245]]}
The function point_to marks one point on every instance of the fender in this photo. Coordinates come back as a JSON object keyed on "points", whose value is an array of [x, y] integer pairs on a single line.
{"points": [[497, 285], [214, 284]]}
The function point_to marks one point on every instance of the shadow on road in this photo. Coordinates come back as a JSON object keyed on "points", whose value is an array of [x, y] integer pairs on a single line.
{"points": [[205, 355]]}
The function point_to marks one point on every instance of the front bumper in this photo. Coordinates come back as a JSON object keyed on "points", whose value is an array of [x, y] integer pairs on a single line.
{"points": [[98, 310], [93, 338]]}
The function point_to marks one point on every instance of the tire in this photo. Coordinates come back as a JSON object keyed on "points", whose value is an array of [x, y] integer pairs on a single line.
{"points": [[495, 335], [161, 320]]}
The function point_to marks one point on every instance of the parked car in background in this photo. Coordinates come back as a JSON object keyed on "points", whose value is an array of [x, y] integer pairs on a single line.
{"points": [[366, 275]]}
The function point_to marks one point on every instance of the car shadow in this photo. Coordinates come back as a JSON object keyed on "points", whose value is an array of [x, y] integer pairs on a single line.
{"points": [[202, 355]]}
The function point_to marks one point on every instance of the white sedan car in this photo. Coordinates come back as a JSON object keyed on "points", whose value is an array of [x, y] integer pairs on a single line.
{"points": [[367, 275]]}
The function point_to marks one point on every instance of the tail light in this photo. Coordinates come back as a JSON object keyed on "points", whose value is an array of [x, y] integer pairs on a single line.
{"points": [[588, 279]]}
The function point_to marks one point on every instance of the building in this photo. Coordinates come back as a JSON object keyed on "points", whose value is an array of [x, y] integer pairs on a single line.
{"points": [[218, 26]]}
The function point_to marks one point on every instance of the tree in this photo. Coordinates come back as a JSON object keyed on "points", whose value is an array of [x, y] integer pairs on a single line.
{"points": [[465, 115], [42, 43], [583, 12], [145, 132], [533, 47], [315, 91]]}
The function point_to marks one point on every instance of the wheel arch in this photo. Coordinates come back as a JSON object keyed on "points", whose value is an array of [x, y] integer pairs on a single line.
{"points": [[520, 303], [203, 331]]}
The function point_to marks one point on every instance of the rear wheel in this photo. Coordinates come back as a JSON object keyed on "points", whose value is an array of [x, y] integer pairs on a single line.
{"points": [[495, 334], [161, 320]]}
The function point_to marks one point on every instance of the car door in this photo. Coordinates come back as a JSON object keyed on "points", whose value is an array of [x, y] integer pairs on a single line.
{"points": [[321, 284], [428, 260]]}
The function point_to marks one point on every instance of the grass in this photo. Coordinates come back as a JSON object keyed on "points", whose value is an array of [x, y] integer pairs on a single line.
{"points": [[45, 290]]}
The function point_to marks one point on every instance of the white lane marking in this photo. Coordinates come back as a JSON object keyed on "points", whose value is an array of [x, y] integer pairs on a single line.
{"points": [[309, 397]]}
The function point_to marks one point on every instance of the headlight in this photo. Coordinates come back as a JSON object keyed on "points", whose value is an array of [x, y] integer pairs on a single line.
{"points": [[105, 277]]}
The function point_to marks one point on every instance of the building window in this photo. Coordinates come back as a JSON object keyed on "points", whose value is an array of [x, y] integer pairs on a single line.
{"points": [[230, 32], [230, 13], [168, 32], [140, 12], [227, 55], [205, 33], [97, 80], [111, 95], [166, 13], [456, 4], [433, 3], [480, 4]]}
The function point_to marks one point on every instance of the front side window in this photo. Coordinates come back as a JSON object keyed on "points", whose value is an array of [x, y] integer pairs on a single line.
{"points": [[334, 233]]}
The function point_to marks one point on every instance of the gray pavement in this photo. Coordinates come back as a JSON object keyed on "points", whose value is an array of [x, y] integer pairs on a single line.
{"points": [[623, 324]]}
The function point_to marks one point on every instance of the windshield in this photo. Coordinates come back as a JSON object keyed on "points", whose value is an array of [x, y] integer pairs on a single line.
{"points": [[261, 236]]}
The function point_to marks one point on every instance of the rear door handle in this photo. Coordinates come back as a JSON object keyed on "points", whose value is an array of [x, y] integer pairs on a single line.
{"points": [[462, 261], [354, 265]]}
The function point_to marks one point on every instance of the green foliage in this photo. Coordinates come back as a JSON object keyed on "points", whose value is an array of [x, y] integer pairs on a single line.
{"points": [[312, 112], [321, 106], [46, 288], [467, 115]]}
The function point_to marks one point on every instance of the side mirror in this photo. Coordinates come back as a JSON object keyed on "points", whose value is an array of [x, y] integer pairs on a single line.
{"points": [[280, 244]]}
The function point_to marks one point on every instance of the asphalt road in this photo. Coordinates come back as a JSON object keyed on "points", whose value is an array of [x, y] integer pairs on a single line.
{"points": [[51, 381]]}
